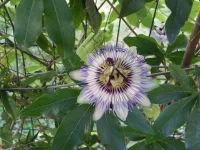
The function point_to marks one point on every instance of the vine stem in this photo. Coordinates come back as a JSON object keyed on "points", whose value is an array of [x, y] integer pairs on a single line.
{"points": [[132, 30], [4, 3], [37, 89], [10, 43], [168, 72], [74, 84], [154, 15], [191, 47]]}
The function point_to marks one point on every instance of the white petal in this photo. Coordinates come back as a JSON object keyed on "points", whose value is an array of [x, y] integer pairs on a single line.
{"points": [[148, 67], [75, 75], [82, 99], [98, 113], [144, 101], [134, 49], [151, 85], [122, 113]]}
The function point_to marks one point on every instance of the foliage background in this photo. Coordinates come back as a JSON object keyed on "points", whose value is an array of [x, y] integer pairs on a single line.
{"points": [[41, 41]]}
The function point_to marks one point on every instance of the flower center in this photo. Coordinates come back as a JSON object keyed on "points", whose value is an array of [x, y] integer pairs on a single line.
{"points": [[114, 75]]}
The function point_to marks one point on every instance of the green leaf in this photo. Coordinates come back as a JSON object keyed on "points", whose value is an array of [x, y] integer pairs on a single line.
{"points": [[176, 57], [60, 26], [77, 10], [52, 103], [137, 121], [114, 15], [180, 10], [6, 136], [92, 14], [197, 70], [167, 92], [181, 76], [180, 42], [146, 146], [3, 73], [145, 46], [44, 44], [171, 144], [152, 112], [188, 27], [74, 125], [14, 2], [141, 146], [9, 105], [173, 117], [109, 132], [131, 6], [141, 16], [28, 22], [132, 135], [192, 134], [73, 62], [43, 77]]}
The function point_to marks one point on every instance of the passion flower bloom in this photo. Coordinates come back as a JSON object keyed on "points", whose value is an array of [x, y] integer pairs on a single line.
{"points": [[115, 78]]}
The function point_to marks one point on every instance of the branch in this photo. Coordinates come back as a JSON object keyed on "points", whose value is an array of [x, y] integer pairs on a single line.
{"points": [[74, 84], [154, 15], [132, 30], [25, 52], [37, 89], [4, 3], [168, 72], [194, 39]]}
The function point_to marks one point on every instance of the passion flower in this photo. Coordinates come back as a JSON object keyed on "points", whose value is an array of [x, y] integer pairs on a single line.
{"points": [[115, 78]]}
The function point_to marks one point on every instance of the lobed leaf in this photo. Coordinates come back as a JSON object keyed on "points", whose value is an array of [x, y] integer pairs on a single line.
{"points": [[167, 92], [172, 144], [137, 121], [192, 134], [181, 76], [173, 117]]}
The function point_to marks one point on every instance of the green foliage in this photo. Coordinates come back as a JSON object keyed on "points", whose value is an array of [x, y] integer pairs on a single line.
{"points": [[170, 144], [131, 6], [52, 103], [180, 76], [145, 46], [173, 117], [42, 41], [59, 25], [180, 11], [167, 92], [192, 129], [92, 14], [141, 124], [28, 22], [109, 131], [74, 125], [77, 10]]}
